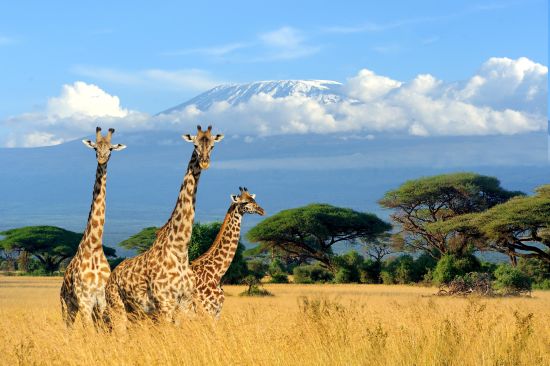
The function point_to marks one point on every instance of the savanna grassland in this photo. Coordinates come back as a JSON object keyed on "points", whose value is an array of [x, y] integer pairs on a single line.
{"points": [[301, 324]]}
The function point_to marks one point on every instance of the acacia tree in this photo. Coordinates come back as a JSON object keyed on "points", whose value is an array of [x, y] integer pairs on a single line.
{"points": [[51, 245], [378, 248], [517, 228], [310, 232], [420, 202], [202, 237]]}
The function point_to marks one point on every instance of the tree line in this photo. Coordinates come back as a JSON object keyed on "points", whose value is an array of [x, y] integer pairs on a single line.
{"points": [[438, 226]]}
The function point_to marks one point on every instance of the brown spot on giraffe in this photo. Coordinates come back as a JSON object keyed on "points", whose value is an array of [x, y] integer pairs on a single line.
{"points": [[133, 286], [210, 267], [83, 287]]}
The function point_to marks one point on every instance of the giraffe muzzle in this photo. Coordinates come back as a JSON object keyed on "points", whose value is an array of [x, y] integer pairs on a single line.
{"points": [[204, 164]]}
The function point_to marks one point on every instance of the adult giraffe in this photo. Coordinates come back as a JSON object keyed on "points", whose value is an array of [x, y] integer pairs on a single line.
{"points": [[159, 281], [83, 288]]}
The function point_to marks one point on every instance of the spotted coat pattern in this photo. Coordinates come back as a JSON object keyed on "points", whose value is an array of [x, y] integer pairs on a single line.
{"points": [[83, 287], [158, 282], [210, 267]]}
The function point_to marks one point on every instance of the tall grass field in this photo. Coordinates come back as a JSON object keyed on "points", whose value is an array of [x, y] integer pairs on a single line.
{"points": [[299, 325]]}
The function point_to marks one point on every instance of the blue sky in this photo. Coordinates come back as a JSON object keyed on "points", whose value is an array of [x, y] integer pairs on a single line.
{"points": [[44, 45]]}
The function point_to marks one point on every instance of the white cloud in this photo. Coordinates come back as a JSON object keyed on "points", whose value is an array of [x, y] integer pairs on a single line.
{"points": [[217, 51], [510, 100], [81, 100], [78, 109], [285, 43], [505, 83], [188, 79], [504, 97]]}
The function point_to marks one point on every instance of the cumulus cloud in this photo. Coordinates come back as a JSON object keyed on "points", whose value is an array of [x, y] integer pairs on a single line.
{"points": [[81, 100], [504, 97], [74, 113]]}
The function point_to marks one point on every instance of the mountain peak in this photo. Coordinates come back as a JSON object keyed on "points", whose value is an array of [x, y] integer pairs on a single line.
{"points": [[324, 91]]}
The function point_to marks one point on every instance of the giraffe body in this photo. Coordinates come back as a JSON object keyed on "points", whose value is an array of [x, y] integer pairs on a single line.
{"points": [[159, 281], [83, 287], [210, 267]]}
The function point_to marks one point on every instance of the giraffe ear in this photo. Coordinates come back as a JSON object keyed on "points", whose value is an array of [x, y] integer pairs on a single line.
{"points": [[89, 143], [118, 147], [218, 138], [188, 138], [253, 196], [234, 198]]}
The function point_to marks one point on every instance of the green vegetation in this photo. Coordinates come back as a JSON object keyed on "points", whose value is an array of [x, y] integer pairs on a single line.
{"points": [[50, 246], [310, 232], [517, 228], [418, 203], [202, 237], [440, 223]]}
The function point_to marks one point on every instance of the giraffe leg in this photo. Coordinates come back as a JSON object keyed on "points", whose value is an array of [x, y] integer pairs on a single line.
{"points": [[69, 309], [98, 314], [219, 299], [114, 315], [86, 311]]}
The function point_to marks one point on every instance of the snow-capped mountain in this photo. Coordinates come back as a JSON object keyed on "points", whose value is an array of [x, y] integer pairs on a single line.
{"points": [[324, 91]]}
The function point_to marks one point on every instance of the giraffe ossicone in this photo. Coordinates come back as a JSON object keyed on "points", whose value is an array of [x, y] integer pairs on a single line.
{"points": [[210, 267], [84, 280]]}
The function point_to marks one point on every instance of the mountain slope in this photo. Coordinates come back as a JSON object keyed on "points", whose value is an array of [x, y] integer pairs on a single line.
{"points": [[325, 91]]}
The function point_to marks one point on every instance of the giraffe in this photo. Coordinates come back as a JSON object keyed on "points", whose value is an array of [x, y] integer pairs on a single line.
{"points": [[83, 288], [159, 281], [210, 267]]}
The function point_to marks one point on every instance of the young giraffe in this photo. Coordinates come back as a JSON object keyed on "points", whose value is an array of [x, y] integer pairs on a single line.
{"points": [[83, 288], [210, 267], [159, 281]]}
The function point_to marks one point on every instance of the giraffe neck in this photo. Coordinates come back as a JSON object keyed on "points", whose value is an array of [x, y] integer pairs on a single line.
{"points": [[225, 245], [93, 235], [176, 233]]}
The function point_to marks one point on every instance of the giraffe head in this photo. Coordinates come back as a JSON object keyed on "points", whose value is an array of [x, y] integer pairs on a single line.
{"points": [[103, 146], [245, 202], [204, 143]]}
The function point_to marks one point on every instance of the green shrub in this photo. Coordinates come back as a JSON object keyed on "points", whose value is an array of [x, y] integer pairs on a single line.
{"points": [[536, 269], [511, 280], [254, 287], [422, 265], [279, 278], [257, 268], [344, 275], [543, 285], [387, 278], [312, 274], [450, 266]]}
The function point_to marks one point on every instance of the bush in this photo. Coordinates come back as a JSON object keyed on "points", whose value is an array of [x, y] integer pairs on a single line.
{"points": [[370, 272], [349, 267], [450, 266], [277, 272], [344, 275], [387, 278], [511, 280], [257, 268], [422, 265], [398, 270], [543, 285], [254, 287], [312, 274], [536, 269], [279, 278]]}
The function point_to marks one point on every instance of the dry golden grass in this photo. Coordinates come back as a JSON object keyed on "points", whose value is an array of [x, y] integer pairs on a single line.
{"points": [[306, 325]]}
